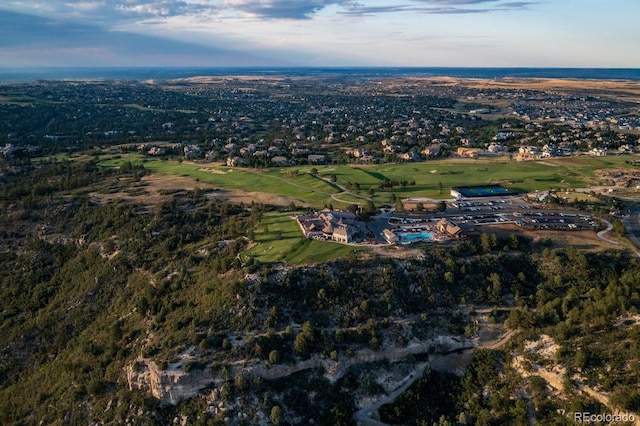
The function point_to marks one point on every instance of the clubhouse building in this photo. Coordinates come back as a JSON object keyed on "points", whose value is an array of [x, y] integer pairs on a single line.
{"points": [[329, 225]]}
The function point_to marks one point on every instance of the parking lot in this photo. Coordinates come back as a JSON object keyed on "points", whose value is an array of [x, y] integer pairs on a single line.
{"points": [[470, 214], [489, 204], [555, 220]]}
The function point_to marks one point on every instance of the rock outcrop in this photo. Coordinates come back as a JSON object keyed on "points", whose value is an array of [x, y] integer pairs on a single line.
{"points": [[171, 385], [174, 384]]}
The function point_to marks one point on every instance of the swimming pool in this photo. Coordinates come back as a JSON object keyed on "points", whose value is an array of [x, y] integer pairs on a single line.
{"points": [[407, 238]]}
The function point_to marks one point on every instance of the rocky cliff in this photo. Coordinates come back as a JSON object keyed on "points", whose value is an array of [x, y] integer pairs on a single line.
{"points": [[171, 385]]}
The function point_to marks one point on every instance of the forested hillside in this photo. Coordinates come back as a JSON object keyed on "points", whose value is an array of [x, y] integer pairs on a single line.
{"points": [[92, 285]]}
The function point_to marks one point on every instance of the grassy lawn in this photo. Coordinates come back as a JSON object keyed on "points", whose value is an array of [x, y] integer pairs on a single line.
{"points": [[302, 186], [279, 239], [77, 157], [25, 101], [312, 251], [278, 236], [561, 173], [523, 176]]}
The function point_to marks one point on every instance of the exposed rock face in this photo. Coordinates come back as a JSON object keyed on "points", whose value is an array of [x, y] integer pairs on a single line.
{"points": [[554, 373], [174, 384], [171, 385]]}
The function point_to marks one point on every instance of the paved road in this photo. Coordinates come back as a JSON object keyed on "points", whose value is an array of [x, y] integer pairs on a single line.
{"points": [[604, 231]]}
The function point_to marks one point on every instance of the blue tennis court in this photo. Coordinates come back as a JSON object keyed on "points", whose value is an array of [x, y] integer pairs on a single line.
{"points": [[483, 191]]}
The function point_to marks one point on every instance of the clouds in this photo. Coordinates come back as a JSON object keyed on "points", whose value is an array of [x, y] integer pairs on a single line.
{"points": [[452, 7], [106, 11], [284, 9], [319, 32], [147, 8], [26, 40]]}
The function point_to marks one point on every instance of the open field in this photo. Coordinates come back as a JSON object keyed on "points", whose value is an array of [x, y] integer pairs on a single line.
{"points": [[144, 108], [527, 176], [279, 238], [581, 240], [152, 189], [302, 188], [25, 100], [621, 89], [306, 190]]}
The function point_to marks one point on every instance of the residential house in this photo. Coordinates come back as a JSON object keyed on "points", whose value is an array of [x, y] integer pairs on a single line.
{"points": [[431, 151], [316, 159], [279, 160], [497, 148], [236, 161], [155, 151], [409, 156], [528, 153], [191, 151], [468, 152]]}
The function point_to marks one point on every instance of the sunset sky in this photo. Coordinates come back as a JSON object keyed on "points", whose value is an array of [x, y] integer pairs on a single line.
{"points": [[414, 33]]}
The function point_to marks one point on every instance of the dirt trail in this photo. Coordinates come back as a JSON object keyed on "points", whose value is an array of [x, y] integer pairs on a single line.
{"points": [[363, 416]]}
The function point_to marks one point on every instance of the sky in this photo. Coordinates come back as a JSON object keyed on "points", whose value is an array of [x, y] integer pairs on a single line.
{"points": [[320, 33]]}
